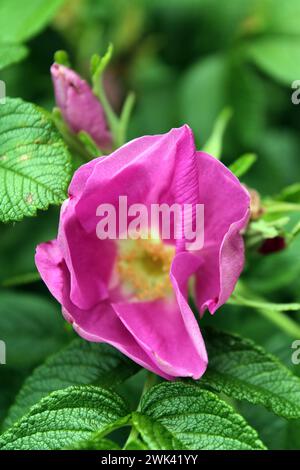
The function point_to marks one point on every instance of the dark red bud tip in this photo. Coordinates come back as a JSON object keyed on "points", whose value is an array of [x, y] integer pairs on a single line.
{"points": [[272, 245]]}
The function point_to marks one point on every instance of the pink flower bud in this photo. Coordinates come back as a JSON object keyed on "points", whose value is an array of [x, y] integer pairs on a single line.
{"points": [[80, 108]]}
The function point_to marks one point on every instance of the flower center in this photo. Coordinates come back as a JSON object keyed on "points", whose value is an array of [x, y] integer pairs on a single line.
{"points": [[143, 266]]}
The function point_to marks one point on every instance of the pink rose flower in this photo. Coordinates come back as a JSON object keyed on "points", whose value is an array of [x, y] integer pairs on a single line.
{"points": [[80, 108], [136, 298]]}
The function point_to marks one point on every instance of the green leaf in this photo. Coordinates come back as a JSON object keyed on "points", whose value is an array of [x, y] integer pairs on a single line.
{"points": [[18, 22], [154, 434], [248, 97], [81, 362], [67, 418], [11, 381], [290, 193], [279, 17], [277, 56], [135, 445], [97, 444], [99, 64], [214, 144], [198, 418], [203, 94], [242, 370], [31, 326], [11, 53], [34, 162], [295, 231], [243, 164]]}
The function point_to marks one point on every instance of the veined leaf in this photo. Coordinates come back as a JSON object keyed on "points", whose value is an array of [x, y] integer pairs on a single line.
{"points": [[95, 443], [67, 418], [79, 363], [34, 162], [242, 370], [198, 418], [154, 434]]}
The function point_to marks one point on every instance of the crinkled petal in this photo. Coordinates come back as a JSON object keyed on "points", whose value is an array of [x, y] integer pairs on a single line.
{"points": [[150, 170], [226, 207]]}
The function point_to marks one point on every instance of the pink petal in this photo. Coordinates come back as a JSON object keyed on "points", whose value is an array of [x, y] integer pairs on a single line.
{"points": [[167, 329], [49, 261], [90, 261], [152, 169], [226, 214], [99, 324]]}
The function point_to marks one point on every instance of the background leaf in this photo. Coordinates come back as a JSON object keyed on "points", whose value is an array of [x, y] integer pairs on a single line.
{"points": [[11, 53], [17, 23], [31, 326], [278, 57]]}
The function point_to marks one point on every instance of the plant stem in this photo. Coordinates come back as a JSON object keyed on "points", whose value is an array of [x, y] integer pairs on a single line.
{"points": [[71, 140], [281, 320], [151, 379], [110, 114], [21, 279], [243, 296], [124, 119], [282, 207]]}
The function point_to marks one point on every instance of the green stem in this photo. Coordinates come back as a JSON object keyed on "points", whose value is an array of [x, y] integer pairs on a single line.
{"points": [[151, 379], [282, 207], [124, 119], [71, 140], [118, 126], [110, 114], [286, 324], [22, 279], [243, 296]]}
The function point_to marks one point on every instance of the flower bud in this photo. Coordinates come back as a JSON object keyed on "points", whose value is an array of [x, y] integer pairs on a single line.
{"points": [[80, 108]]}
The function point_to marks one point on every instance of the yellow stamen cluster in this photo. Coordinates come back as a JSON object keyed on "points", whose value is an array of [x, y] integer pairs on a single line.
{"points": [[143, 266]]}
